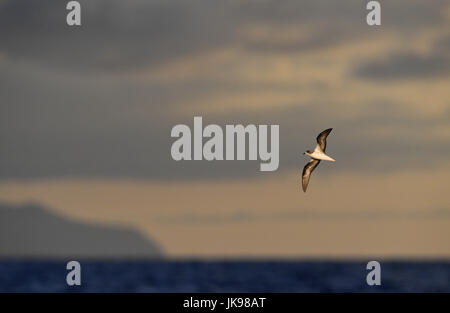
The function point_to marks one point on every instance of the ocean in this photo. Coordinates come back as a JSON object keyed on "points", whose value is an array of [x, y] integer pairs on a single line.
{"points": [[224, 276]]}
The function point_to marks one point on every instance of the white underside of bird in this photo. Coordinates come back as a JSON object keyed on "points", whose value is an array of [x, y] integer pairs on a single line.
{"points": [[320, 155]]}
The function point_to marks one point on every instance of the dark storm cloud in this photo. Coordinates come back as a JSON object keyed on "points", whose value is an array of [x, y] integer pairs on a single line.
{"points": [[105, 129], [404, 66], [443, 44], [114, 34], [118, 35], [65, 109]]}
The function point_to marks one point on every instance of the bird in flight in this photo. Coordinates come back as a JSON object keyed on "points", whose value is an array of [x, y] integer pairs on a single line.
{"points": [[316, 156]]}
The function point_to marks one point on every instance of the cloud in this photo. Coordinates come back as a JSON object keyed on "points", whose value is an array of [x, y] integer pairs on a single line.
{"points": [[406, 66], [53, 125], [443, 44], [290, 215], [114, 35], [100, 100], [117, 35]]}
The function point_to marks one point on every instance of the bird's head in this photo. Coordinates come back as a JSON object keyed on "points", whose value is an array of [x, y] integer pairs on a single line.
{"points": [[307, 152]]}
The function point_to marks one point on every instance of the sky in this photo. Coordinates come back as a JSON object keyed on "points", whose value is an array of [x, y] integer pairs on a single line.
{"points": [[86, 114]]}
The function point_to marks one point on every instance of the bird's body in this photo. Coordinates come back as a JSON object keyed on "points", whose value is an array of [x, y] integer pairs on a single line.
{"points": [[320, 155], [316, 156]]}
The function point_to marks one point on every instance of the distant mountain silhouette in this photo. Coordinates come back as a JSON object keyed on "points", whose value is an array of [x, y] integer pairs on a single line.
{"points": [[31, 231]]}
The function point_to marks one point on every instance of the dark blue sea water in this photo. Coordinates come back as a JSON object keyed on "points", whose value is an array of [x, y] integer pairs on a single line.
{"points": [[224, 276]]}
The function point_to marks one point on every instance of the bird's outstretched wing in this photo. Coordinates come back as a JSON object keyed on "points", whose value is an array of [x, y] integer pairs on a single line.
{"points": [[322, 139], [307, 170]]}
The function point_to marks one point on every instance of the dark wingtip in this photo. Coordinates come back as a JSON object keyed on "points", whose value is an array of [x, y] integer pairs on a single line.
{"points": [[326, 131]]}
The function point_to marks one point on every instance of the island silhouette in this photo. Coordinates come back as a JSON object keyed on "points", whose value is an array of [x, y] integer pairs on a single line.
{"points": [[33, 231]]}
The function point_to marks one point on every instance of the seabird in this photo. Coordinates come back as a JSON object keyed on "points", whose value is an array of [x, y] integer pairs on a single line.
{"points": [[316, 156]]}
